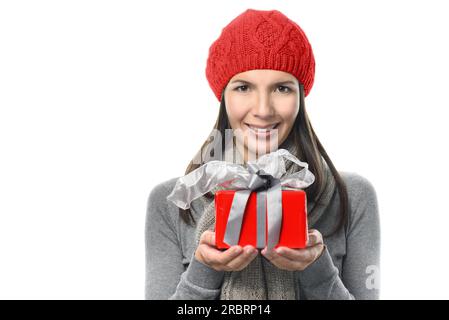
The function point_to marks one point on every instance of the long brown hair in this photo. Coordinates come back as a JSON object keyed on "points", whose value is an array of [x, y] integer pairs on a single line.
{"points": [[308, 148]]}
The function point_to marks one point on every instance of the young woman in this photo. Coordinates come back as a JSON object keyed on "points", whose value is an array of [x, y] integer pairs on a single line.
{"points": [[261, 68]]}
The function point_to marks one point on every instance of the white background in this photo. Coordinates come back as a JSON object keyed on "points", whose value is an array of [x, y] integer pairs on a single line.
{"points": [[102, 100]]}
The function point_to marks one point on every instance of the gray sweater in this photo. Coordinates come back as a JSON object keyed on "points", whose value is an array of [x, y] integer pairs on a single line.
{"points": [[347, 269]]}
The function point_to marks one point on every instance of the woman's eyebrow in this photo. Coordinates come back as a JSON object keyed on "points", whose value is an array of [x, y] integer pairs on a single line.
{"points": [[276, 83]]}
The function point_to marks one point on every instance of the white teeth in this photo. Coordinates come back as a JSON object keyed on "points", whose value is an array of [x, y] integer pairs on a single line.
{"points": [[262, 130], [259, 130]]}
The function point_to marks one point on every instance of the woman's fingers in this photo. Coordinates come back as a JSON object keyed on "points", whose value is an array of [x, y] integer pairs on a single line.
{"points": [[315, 238], [208, 237], [281, 261], [297, 259], [237, 258], [243, 259], [234, 258], [210, 255], [216, 257], [303, 255]]}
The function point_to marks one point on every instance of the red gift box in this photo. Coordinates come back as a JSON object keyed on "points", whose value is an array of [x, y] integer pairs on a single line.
{"points": [[293, 232]]}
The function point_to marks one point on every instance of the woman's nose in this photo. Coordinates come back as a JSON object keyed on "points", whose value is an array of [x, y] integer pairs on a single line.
{"points": [[263, 107]]}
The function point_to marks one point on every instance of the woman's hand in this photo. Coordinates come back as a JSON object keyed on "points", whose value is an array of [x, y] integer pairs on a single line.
{"points": [[297, 259], [234, 258]]}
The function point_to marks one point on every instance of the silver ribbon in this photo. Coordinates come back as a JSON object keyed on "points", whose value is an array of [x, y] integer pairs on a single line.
{"points": [[269, 199], [266, 176]]}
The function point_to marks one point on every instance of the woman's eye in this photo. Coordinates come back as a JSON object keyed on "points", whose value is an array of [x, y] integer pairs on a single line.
{"points": [[244, 86], [288, 90]]}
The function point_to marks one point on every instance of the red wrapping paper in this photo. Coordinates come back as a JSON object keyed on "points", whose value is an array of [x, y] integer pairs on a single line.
{"points": [[294, 219]]}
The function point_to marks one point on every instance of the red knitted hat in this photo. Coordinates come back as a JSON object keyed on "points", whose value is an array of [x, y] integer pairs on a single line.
{"points": [[260, 39]]}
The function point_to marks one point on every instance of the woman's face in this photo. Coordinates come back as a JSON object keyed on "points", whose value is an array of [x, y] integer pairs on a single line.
{"points": [[262, 106]]}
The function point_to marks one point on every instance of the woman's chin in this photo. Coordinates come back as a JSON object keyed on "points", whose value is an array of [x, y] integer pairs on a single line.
{"points": [[260, 150], [254, 150], [262, 146]]}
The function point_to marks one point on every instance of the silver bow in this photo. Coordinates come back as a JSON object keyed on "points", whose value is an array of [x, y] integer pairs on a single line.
{"points": [[264, 176], [269, 193]]}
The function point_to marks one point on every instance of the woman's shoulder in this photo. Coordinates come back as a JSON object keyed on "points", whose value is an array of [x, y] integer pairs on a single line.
{"points": [[163, 189], [359, 186], [157, 203]]}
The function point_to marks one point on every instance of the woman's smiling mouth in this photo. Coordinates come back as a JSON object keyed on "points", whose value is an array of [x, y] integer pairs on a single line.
{"points": [[262, 130]]}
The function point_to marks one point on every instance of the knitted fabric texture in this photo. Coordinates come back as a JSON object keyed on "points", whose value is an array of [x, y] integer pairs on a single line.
{"points": [[260, 39], [260, 279]]}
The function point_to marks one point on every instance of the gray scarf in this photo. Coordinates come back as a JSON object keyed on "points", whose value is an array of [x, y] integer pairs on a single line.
{"points": [[261, 280]]}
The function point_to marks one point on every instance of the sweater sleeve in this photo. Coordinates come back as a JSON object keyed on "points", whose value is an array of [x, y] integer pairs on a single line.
{"points": [[360, 268], [165, 277]]}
